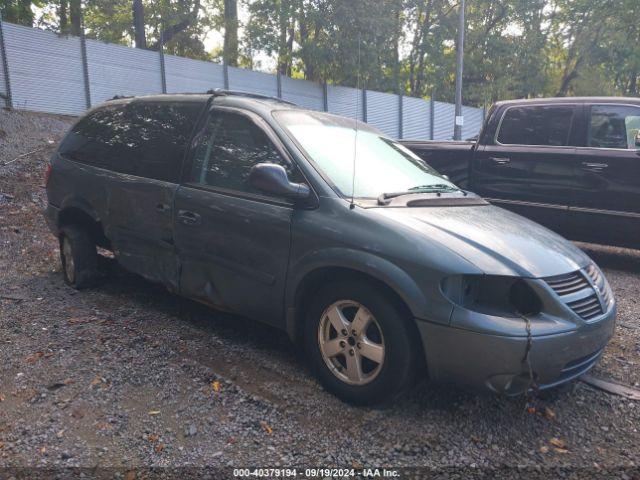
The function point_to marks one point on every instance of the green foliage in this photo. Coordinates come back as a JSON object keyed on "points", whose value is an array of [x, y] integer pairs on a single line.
{"points": [[513, 48]]}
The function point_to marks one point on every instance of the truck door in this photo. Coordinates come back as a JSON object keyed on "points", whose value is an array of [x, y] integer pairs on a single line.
{"points": [[233, 241], [607, 205], [528, 165]]}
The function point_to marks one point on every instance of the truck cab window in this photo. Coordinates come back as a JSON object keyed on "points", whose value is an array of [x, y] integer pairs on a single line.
{"points": [[613, 126], [536, 125], [226, 150]]}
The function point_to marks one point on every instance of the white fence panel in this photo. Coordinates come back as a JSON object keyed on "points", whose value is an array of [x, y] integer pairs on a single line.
{"points": [[118, 70], [45, 70], [472, 122], [303, 93], [444, 114], [345, 101], [383, 112], [192, 76], [416, 118], [255, 82], [3, 80]]}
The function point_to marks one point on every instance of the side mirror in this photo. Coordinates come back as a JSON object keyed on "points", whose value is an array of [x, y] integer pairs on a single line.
{"points": [[637, 140], [272, 178], [446, 177]]}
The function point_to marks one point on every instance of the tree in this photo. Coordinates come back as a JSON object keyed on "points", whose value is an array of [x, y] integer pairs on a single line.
{"points": [[139, 34], [18, 11], [230, 51]]}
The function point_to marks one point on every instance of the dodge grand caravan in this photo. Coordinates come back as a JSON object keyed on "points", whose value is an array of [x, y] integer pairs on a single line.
{"points": [[377, 266]]}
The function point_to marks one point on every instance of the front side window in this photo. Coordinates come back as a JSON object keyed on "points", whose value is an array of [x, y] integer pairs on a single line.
{"points": [[381, 164], [226, 150], [548, 125], [613, 126]]}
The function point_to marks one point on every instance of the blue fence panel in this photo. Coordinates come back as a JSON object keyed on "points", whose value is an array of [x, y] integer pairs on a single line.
{"points": [[194, 76], [45, 70], [472, 122], [416, 118], [119, 70], [444, 114], [251, 81], [303, 93], [383, 112], [345, 101]]}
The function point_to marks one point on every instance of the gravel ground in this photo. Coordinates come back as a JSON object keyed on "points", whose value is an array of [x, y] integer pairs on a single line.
{"points": [[128, 376]]}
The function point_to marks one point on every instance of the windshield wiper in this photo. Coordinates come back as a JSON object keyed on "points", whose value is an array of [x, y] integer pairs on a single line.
{"points": [[435, 188]]}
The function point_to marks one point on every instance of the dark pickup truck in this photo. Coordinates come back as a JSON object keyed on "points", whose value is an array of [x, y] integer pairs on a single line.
{"points": [[571, 164]]}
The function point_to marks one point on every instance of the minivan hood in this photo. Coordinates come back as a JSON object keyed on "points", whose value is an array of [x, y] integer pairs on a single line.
{"points": [[497, 241]]}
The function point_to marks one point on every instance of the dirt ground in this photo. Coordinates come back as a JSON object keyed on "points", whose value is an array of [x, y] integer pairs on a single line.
{"points": [[127, 376]]}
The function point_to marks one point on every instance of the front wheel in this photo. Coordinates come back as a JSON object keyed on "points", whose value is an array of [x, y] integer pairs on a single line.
{"points": [[358, 343]]}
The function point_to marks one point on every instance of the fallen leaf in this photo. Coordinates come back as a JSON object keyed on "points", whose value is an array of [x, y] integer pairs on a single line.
{"points": [[531, 410], [153, 438], [159, 447], [33, 358], [561, 450], [2, 398], [96, 381], [475, 439], [544, 449], [1, 445], [556, 442], [231, 440], [357, 465], [69, 381], [265, 426], [103, 426], [60, 434], [43, 449], [130, 475], [549, 414], [154, 412], [216, 386]]}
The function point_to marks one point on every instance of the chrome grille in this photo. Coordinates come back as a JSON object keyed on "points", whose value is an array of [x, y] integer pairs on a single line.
{"points": [[569, 283], [588, 305]]}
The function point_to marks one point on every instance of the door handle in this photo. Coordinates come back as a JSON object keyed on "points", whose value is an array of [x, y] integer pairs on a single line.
{"points": [[189, 218], [594, 167], [500, 160], [162, 208]]}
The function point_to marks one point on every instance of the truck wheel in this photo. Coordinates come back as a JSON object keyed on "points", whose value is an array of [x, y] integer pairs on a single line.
{"points": [[358, 343], [79, 257]]}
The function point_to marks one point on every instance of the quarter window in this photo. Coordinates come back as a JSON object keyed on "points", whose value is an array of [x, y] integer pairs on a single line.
{"points": [[613, 126], [139, 138], [536, 125], [227, 149]]}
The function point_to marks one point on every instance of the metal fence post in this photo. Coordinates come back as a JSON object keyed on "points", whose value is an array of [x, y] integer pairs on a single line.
{"points": [[279, 84], [325, 97], [225, 73], [432, 116], [85, 64], [5, 66], [163, 73], [364, 105], [400, 116]]}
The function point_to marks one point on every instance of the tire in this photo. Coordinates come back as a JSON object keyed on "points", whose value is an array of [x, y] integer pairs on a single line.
{"points": [[373, 383], [79, 257]]}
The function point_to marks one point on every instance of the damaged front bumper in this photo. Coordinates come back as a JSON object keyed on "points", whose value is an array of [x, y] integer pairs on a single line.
{"points": [[497, 362]]}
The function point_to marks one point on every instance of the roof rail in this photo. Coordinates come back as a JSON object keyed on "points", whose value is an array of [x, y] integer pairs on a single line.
{"points": [[118, 97], [220, 92]]}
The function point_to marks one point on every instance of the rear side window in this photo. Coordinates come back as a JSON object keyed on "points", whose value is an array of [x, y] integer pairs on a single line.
{"points": [[139, 138], [226, 150], [536, 125], [613, 126]]}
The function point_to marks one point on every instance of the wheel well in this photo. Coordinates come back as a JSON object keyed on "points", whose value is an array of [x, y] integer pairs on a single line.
{"points": [[315, 279], [76, 216]]}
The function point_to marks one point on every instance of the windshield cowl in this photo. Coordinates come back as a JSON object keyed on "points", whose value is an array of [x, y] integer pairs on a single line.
{"points": [[429, 199]]}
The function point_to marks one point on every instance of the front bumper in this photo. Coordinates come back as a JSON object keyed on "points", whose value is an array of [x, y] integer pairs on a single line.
{"points": [[497, 363]]}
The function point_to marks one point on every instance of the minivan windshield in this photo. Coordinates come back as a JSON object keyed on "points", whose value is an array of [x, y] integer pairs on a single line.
{"points": [[381, 164]]}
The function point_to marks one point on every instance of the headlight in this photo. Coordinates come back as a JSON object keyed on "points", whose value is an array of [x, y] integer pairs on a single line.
{"points": [[492, 295]]}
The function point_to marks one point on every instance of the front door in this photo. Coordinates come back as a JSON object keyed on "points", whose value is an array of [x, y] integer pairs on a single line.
{"points": [[529, 165], [607, 206], [233, 241]]}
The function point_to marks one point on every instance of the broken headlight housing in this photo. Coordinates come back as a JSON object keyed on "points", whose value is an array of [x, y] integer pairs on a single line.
{"points": [[492, 294]]}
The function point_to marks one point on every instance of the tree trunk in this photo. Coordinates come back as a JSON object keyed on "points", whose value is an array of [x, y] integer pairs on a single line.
{"points": [[283, 20], [230, 51], [25, 14], [75, 12], [63, 7], [138, 24]]}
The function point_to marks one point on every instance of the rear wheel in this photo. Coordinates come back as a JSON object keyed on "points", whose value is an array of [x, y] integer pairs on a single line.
{"points": [[358, 343], [79, 257]]}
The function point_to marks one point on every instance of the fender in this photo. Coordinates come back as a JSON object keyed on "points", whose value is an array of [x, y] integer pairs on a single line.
{"points": [[376, 267], [71, 201]]}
